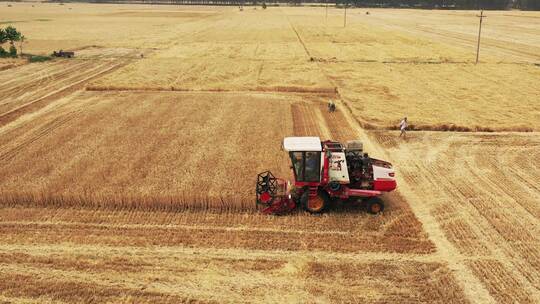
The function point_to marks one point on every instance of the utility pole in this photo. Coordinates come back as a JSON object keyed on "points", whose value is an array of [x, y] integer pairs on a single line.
{"points": [[345, 15], [326, 17], [479, 33]]}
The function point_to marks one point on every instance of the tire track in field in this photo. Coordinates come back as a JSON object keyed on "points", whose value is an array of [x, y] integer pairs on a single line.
{"points": [[28, 72], [36, 81], [9, 153], [68, 85], [43, 85], [20, 93]]}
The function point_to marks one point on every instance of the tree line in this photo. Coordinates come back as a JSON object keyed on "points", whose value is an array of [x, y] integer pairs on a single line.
{"points": [[430, 4], [447, 4]]}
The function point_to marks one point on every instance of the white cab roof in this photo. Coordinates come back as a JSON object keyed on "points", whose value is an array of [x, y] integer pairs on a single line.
{"points": [[302, 144]]}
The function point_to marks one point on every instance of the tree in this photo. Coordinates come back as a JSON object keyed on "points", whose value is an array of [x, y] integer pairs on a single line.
{"points": [[12, 51], [12, 34], [9, 34], [3, 36], [3, 39]]}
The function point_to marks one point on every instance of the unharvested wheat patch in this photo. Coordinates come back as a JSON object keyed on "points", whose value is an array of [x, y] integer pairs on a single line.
{"points": [[151, 145]]}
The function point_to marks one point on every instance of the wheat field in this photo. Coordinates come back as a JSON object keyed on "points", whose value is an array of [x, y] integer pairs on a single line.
{"points": [[127, 173]]}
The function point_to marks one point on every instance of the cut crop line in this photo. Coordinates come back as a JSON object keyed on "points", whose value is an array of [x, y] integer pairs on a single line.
{"points": [[276, 89], [227, 253], [171, 226], [323, 126]]}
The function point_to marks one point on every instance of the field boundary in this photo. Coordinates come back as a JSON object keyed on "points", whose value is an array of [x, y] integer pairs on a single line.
{"points": [[274, 89], [172, 203]]}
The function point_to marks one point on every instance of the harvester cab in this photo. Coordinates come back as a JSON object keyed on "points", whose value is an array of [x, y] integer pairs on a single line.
{"points": [[323, 172]]}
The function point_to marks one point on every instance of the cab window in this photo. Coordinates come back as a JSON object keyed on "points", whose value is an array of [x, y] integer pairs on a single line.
{"points": [[297, 160], [312, 170], [306, 166]]}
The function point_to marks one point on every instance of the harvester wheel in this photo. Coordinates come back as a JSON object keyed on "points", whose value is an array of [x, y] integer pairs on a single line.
{"points": [[374, 205], [316, 204]]}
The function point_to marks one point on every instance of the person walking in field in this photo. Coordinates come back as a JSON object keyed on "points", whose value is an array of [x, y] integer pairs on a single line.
{"points": [[403, 127]]}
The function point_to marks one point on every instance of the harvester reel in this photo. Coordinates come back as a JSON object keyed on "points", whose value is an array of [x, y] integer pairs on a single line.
{"points": [[272, 195], [267, 185]]}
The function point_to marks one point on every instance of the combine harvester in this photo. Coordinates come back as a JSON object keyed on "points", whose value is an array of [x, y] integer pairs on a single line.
{"points": [[323, 172]]}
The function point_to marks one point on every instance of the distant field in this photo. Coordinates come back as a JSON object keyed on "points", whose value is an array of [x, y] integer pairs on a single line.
{"points": [[405, 62], [127, 173]]}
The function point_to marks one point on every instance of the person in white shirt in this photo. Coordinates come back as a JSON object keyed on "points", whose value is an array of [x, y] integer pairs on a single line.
{"points": [[403, 127]]}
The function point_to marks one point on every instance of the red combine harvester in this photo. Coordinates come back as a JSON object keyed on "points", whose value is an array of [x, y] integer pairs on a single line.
{"points": [[325, 171]]}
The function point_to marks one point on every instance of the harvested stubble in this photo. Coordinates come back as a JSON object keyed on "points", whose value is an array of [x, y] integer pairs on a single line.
{"points": [[8, 63], [141, 151], [481, 190], [207, 256]]}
